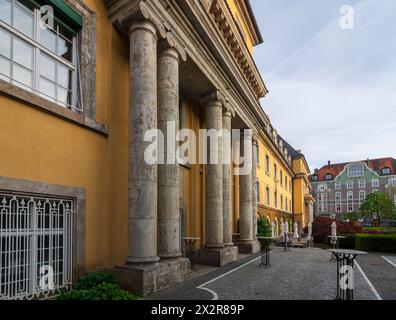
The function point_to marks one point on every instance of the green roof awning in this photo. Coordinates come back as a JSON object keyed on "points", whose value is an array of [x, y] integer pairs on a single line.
{"points": [[64, 11]]}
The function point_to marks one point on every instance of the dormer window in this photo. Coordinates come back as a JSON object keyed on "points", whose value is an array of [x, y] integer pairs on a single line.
{"points": [[328, 176], [386, 171], [314, 178]]}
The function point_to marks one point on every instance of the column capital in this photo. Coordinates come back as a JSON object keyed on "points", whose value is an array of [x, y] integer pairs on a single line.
{"points": [[164, 50], [213, 98], [228, 108], [142, 25]]}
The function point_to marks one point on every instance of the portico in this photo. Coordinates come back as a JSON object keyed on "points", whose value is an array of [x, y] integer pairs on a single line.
{"points": [[165, 67]]}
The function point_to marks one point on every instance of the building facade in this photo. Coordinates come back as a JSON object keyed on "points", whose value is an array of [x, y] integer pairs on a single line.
{"points": [[77, 98], [342, 188], [282, 180]]}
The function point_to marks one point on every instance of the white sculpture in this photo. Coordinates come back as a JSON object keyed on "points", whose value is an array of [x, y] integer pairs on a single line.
{"points": [[286, 227], [309, 237], [273, 230], [296, 235], [282, 231], [334, 229]]}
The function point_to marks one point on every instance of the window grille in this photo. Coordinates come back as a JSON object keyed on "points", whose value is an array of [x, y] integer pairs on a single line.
{"points": [[35, 246]]}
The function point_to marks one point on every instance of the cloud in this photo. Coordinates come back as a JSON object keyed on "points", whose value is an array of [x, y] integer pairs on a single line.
{"points": [[332, 91]]}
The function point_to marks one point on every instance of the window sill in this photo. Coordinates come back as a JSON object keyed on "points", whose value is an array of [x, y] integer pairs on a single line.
{"points": [[35, 101]]}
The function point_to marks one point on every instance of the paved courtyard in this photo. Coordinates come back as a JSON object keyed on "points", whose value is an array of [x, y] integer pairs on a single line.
{"points": [[298, 274]]}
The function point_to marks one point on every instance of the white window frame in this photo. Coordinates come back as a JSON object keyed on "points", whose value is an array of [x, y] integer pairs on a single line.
{"points": [[350, 184], [362, 197], [338, 201], [392, 182], [38, 48], [375, 183], [337, 186], [350, 201], [322, 202], [362, 183], [355, 170]]}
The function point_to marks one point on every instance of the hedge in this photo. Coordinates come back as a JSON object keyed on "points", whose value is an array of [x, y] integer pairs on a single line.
{"points": [[376, 242], [349, 242]]}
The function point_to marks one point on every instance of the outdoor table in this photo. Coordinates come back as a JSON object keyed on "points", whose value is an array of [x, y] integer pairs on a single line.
{"points": [[265, 250], [335, 241], [190, 242], [344, 258]]}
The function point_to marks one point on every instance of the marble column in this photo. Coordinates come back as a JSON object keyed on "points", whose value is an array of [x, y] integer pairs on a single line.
{"points": [[247, 242], [214, 177], [227, 180], [168, 173], [142, 217], [245, 197], [254, 188]]}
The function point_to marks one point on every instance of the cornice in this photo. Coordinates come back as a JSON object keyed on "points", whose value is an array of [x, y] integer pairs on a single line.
{"points": [[225, 21]]}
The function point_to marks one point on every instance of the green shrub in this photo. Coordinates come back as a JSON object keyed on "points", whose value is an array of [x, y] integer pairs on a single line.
{"points": [[264, 228], [91, 280], [379, 229], [349, 242], [376, 242], [96, 286]]}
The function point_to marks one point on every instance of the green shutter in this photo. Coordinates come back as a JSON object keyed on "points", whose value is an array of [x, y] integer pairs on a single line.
{"points": [[65, 12]]}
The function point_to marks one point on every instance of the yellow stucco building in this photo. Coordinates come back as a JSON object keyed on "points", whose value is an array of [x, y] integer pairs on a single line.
{"points": [[76, 99]]}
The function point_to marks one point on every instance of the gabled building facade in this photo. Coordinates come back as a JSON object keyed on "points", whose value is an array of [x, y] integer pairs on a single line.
{"points": [[342, 188]]}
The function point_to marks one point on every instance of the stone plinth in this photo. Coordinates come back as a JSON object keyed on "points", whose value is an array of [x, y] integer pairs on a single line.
{"points": [[216, 257], [249, 247], [150, 278]]}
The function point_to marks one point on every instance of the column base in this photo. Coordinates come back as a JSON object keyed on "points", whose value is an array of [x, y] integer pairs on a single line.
{"points": [[150, 278], [248, 247], [216, 257]]}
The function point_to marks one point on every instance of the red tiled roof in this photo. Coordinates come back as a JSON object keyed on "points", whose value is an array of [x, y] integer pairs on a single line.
{"points": [[374, 164]]}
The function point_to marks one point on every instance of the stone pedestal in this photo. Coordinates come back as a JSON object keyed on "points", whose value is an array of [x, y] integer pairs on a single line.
{"points": [[216, 257], [150, 278], [249, 247]]}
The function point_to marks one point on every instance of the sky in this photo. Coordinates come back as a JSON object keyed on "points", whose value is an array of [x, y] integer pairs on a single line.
{"points": [[332, 91]]}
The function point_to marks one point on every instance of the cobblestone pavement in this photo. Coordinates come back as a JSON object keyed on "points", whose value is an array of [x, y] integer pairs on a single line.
{"points": [[297, 274], [381, 272]]}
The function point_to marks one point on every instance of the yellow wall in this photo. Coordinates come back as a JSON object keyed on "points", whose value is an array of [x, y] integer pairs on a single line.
{"points": [[37, 146], [268, 179], [301, 189], [237, 15], [193, 179]]}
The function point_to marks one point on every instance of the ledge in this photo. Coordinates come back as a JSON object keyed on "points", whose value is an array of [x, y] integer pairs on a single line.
{"points": [[35, 101]]}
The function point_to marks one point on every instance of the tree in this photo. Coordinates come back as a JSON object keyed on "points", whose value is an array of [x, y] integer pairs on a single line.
{"points": [[378, 206]]}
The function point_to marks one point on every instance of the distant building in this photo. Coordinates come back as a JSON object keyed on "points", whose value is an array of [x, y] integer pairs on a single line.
{"points": [[342, 188]]}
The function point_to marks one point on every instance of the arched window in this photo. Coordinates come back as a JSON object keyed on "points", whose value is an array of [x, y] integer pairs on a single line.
{"points": [[350, 201], [267, 196], [362, 197], [338, 202]]}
